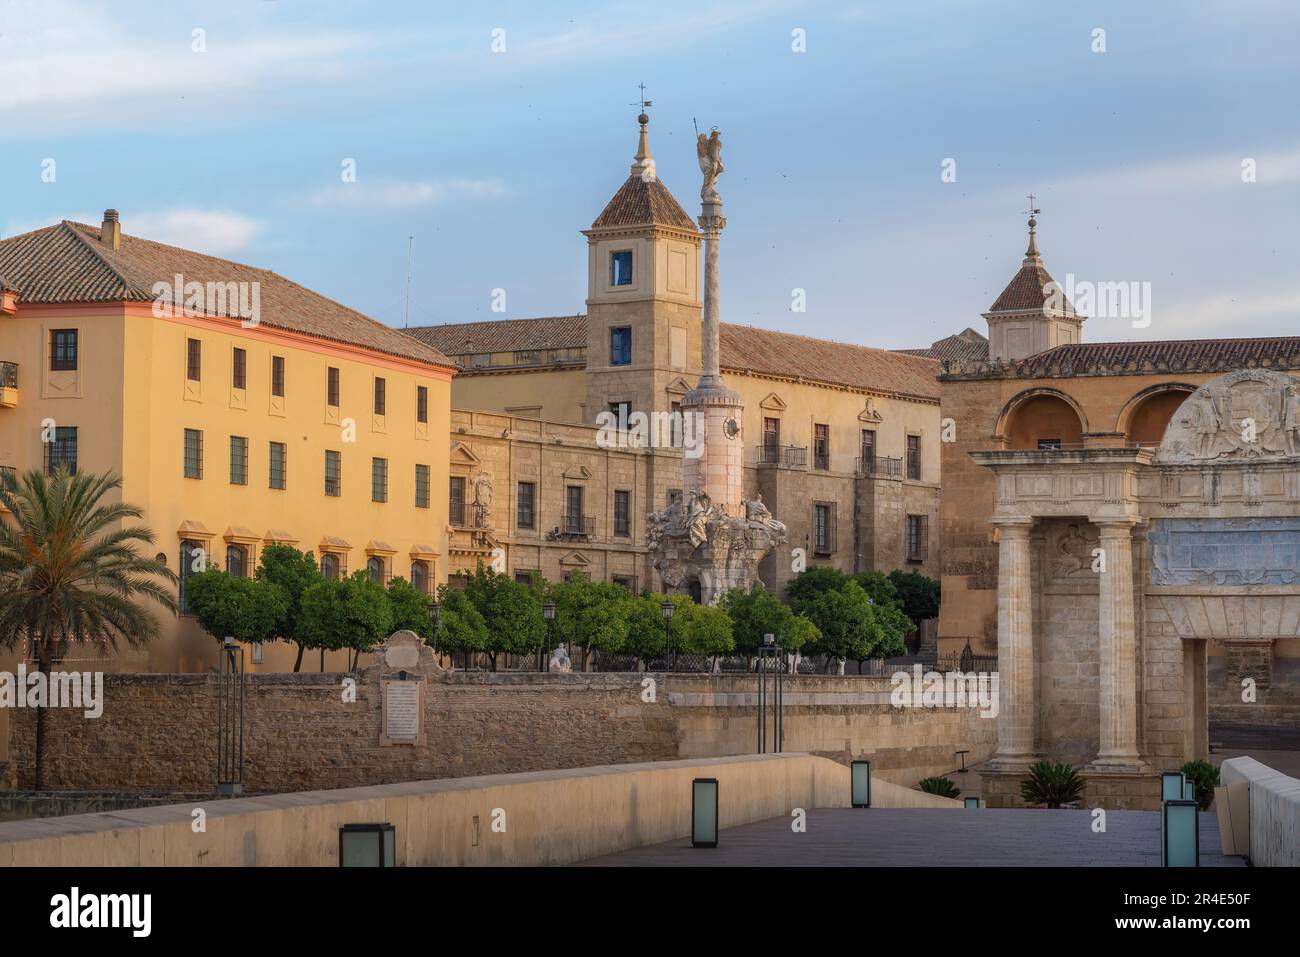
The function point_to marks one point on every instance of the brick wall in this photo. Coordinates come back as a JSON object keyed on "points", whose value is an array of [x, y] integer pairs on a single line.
{"points": [[157, 731]]}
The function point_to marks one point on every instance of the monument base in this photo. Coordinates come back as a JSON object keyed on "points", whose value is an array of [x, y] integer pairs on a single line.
{"points": [[1126, 790]]}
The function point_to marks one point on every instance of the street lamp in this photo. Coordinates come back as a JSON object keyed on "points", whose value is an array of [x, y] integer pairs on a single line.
{"points": [[548, 612], [435, 620], [668, 608]]}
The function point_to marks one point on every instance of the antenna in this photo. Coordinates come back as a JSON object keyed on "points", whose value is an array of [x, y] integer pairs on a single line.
{"points": [[410, 245]]}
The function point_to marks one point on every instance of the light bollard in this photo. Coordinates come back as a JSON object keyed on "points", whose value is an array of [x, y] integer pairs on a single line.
{"points": [[860, 784], [704, 812]]}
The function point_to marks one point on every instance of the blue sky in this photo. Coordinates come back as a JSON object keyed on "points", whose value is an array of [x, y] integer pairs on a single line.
{"points": [[494, 161]]}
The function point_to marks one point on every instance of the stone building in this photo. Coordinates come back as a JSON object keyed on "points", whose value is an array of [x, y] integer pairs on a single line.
{"points": [[1121, 522], [840, 441]]}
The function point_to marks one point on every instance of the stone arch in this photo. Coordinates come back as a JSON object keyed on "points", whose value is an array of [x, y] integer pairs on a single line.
{"points": [[1040, 414], [1150, 411]]}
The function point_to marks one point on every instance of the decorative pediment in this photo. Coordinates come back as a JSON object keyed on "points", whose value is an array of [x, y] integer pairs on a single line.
{"points": [[378, 546], [678, 386], [194, 529], [332, 543], [580, 472], [773, 403], [869, 413], [576, 560], [463, 455], [242, 535], [1243, 416], [278, 536]]}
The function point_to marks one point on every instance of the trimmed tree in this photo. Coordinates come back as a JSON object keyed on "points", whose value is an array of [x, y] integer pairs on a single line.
{"points": [[231, 606], [511, 611], [590, 615], [917, 594], [354, 613], [707, 632], [294, 572], [463, 628], [410, 608]]}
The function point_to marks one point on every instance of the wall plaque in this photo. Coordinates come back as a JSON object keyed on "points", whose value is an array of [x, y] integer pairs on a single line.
{"points": [[402, 713]]}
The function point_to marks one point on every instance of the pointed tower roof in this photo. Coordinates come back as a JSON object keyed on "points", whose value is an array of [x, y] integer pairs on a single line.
{"points": [[1027, 291], [643, 200]]}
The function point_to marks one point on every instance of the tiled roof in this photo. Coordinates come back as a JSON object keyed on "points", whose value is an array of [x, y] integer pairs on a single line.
{"points": [[1210, 355], [1025, 291], [505, 335], [744, 349], [643, 202], [966, 346], [747, 349], [66, 263]]}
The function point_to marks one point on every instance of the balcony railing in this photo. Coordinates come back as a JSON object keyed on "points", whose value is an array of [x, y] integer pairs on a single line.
{"points": [[790, 456], [577, 526], [8, 375], [468, 515], [878, 466]]}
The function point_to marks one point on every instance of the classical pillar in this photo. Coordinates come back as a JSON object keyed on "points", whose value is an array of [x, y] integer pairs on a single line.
{"points": [[1017, 703], [1117, 649]]}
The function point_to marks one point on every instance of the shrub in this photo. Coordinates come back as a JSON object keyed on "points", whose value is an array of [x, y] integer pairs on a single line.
{"points": [[1051, 784], [1205, 778], [940, 786]]}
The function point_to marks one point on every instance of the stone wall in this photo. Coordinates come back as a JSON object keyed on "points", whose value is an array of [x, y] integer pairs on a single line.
{"points": [[157, 731]]}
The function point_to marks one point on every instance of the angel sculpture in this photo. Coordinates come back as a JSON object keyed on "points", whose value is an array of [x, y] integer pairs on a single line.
{"points": [[709, 151]]}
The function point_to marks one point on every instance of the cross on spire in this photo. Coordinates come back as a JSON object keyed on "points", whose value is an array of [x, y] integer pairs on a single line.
{"points": [[1031, 254], [1032, 210], [642, 102]]}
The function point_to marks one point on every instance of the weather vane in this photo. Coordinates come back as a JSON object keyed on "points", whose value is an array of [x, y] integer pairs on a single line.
{"points": [[1032, 210], [643, 102]]}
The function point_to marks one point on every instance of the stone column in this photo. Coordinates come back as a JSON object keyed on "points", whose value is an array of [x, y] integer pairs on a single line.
{"points": [[1017, 702], [712, 222], [1117, 650]]}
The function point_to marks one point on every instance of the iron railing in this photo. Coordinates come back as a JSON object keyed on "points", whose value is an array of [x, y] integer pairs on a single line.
{"points": [[468, 515], [790, 456], [878, 466], [578, 525], [8, 375]]}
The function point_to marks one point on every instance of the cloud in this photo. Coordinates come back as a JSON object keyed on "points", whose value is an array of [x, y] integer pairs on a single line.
{"points": [[217, 232], [404, 194], [1221, 171]]}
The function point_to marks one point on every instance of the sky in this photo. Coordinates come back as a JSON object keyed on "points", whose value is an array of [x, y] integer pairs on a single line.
{"points": [[878, 154]]}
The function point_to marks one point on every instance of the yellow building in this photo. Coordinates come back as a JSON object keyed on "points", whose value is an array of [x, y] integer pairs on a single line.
{"points": [[239, 408]]}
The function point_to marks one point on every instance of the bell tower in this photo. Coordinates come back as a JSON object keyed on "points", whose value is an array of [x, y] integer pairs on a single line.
{"points": [[643, 294]]}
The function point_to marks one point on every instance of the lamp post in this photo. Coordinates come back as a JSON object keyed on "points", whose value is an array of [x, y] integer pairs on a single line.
{"points": [[435, 621], [548, 612], [668, 608]]}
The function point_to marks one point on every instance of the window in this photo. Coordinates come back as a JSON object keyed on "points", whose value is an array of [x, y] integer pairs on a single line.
{"points": [[824, 528], [868, 452], [381, 396], [193, 360], [258, 653], [821, 446], [673, 495], [333, 473], [1049, 444], [526, 576], [420, 576], [624, 581], [771, 440], [676, 409], [914, 457], [238, 460], [456, 503], [573, 510], [62, 451], [422, 486], [63, 350], [375, 569], [329, 566], [190, 551], [379, 480], [237, 561], [421, 403], [620, 268], [239, 369], [620, 346], [277, 376], [525, 500], [332, 387], [622, 512], [193, 454], [918, 537], [279, 465], [621, 411]]}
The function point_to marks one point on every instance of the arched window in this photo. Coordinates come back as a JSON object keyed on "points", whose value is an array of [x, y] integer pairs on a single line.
{"points": [[420, 576], [375, 569], [236, 561], [190, 552], [329, 566], [1150, 414], [1043, 421]]}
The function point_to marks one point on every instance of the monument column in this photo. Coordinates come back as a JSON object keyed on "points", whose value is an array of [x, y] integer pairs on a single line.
{"points": [[1117, 649], [1017, 702]]}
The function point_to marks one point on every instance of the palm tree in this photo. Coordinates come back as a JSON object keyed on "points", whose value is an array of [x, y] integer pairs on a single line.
{"points": [[70, 574]]}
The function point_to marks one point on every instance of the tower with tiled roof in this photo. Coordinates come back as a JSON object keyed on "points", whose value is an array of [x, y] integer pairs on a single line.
{"points": [[643, 295], [1032, 314]]}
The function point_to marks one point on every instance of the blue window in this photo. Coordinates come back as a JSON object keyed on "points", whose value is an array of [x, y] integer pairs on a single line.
{"points": [[620, 268], [620, 346]]}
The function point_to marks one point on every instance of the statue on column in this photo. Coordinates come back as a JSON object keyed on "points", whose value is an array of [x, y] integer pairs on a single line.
{"points": [[708, 148]]}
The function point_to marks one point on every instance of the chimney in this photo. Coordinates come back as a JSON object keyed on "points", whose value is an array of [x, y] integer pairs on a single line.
{"points": [[110, 234]]}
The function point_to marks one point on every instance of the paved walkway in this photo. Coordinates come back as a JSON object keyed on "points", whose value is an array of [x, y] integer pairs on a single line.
{"points": [[884, 837]]}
